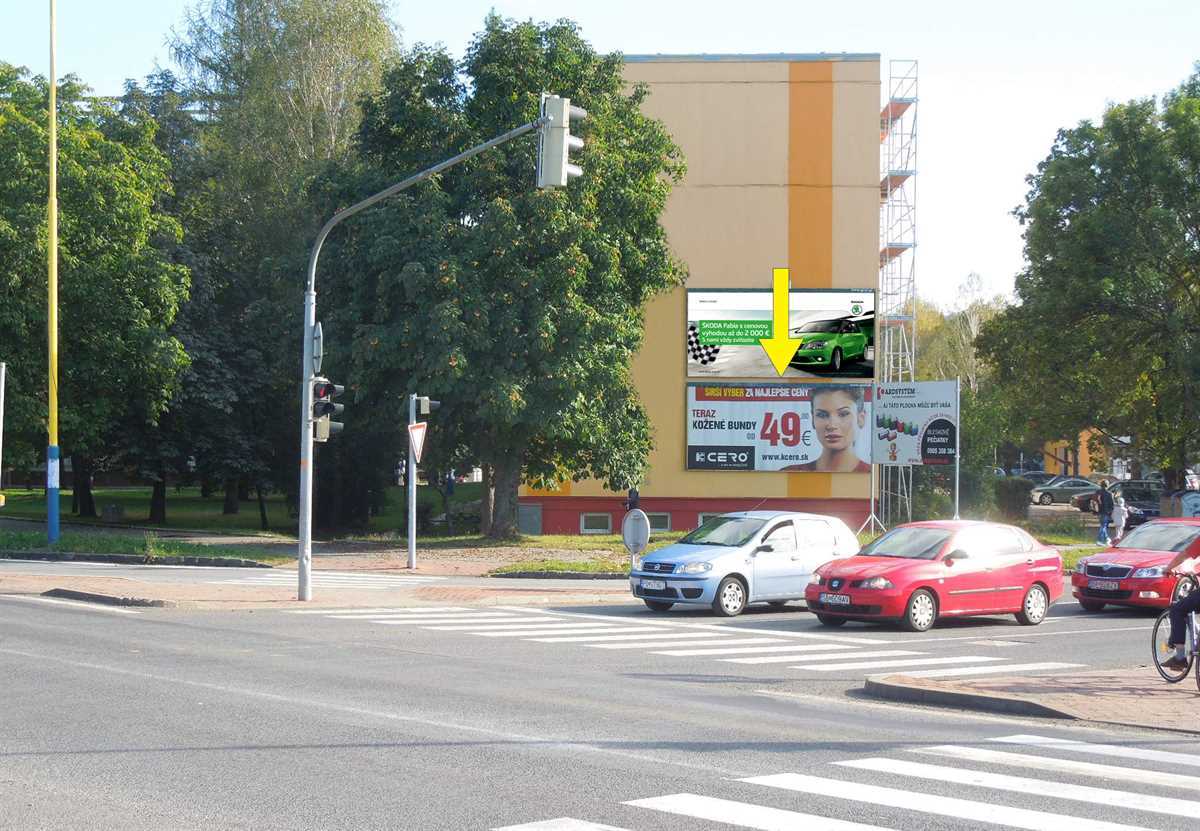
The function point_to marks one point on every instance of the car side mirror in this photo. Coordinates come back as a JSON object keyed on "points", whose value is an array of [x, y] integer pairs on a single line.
{"points": [[957, 554], [766, 546]]}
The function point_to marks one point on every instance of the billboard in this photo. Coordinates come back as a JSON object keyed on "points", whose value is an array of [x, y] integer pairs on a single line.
{"points": [[779, 427], [836, 328], [915, 423]]}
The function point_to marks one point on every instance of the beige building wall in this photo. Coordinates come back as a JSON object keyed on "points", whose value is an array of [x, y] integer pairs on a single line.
{"points": [[783, 170]]}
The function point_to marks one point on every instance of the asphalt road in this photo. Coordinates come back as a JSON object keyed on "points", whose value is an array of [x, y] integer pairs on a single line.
{"points": [[482, 718]]}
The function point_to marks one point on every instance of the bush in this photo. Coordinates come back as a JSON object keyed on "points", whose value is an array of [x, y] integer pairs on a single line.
{"points": [[1012, 496]]}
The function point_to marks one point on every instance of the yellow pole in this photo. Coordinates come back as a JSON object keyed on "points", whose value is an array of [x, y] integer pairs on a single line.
{"points": [[52, 315]]}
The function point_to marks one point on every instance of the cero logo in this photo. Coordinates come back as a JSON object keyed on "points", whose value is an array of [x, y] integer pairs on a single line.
{"points": [[714, 457]]}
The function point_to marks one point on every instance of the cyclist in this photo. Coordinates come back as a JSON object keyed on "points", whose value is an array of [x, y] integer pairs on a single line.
{"points": [[1180, 609]]}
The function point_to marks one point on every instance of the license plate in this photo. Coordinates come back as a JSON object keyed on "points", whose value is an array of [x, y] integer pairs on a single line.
{"points": [[654, 585], [1104, 585], [835, 599]]}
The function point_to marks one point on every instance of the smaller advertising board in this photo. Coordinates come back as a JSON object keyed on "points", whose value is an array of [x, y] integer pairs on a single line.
{"points": [[779, 427], [915, 423]]}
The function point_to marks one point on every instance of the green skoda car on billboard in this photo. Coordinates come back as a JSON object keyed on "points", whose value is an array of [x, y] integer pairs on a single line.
{"points": [[829, 343]]}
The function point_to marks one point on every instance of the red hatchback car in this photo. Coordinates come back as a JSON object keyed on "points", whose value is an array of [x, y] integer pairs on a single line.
{"points": [[919, 572], [1131, 573]]}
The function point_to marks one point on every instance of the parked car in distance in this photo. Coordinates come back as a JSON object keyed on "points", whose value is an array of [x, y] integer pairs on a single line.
{"points": [[919, 572], [1141, 499], [1061, 490], [1132, 572], [1038, 477], [736, 559], [829, 343]]}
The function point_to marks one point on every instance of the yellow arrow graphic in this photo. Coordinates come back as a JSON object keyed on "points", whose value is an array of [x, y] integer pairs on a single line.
{"points": [[779, 347]]}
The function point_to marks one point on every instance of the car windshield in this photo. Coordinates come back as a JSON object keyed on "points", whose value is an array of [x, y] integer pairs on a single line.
{"points": [[1139, 494], [725, 530], [820, 326], [1160, 536], [910, 543]]}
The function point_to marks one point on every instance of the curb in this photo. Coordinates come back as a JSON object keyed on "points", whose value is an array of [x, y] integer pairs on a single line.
{"points": [[563, 575], [882, 688], [109, 599], [132, 559]]}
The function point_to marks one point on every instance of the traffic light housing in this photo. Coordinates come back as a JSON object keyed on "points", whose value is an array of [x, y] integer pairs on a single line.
{"points": [[555, 142], [426, 405], [324, 409]]}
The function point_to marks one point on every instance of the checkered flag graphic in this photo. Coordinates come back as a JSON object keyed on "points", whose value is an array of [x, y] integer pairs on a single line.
{"points": [[703, 354]]}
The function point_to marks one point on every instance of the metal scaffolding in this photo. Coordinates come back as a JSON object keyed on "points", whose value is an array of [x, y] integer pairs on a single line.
{"points": [[897, 328]]}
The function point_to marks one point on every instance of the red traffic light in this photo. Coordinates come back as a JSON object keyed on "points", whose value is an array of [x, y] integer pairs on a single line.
{"points": [[324, 389]]}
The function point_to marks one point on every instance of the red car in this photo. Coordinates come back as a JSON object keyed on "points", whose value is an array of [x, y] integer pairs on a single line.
{"points": [[1131, 572], [919, 572]]}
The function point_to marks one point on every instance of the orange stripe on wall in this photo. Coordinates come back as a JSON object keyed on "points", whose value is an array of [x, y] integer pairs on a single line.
{"points": [[810, 174]]}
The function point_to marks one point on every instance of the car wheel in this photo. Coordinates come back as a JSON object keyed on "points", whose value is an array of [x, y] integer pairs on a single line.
{"points": [[657, 605], [1034, 606], [835, 360], [830, 620], [921, 612], [731, 598], [1046, 499], [1092, 605], [1183, 588]]}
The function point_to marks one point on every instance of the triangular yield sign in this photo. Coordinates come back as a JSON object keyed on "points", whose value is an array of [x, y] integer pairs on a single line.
{"points": [[416, 438]]}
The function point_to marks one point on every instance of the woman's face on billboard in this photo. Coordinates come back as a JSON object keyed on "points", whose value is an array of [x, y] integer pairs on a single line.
{"points": [[836, 419]]}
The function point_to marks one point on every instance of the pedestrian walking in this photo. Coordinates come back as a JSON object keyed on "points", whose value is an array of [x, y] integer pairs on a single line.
{"points": [[1120, 515], [1104, 507]]}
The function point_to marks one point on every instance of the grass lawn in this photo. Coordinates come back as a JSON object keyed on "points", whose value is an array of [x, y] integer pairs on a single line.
{"points": [[596, 565], [147, 545]]}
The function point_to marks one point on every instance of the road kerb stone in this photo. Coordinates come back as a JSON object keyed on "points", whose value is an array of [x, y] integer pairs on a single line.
{"points": [[109, 599]]}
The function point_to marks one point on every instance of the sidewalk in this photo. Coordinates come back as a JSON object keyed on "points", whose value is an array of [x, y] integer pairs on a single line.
{"points": [[1135, 697]]}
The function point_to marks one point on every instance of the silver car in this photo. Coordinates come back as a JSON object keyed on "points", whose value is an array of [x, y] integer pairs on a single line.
{"points": [[739, 558]]}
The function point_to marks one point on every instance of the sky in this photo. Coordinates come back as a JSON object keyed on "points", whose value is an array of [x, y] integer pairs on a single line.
{"points": [[997, 80]]}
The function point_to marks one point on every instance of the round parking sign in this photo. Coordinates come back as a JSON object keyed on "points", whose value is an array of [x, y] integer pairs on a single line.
{"points": [[635, 531]]}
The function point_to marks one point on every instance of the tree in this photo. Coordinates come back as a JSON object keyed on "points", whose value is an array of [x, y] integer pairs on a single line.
{"points": [[519, 309], [1108, 324], [118, 295]]}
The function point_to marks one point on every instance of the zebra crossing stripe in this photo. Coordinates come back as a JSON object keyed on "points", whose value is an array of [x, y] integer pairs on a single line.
{"points": [[529, 625], [806, 647], [466, 615], [666, 637], [562, 824], [382, 610], [782, 659], [583, 629], [990, 670], [1069, 766], [677, 643], [1033, 787], [422, 620], [906, 662], [927, 803], [745, 814], [1142, 753]]}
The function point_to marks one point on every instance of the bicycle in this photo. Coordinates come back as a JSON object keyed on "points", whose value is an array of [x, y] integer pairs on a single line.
{"points": [[1162, 652]]}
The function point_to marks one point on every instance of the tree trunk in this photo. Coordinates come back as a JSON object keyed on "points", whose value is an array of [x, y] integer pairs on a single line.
{"points": [[243, 487], [158, 499], [206, 488], [507, 480], [486, 500], [231, 497], [262, 509], [446, 506], [83, 486]]}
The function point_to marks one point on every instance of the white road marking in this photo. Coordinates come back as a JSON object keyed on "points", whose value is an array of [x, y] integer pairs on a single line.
{"points": [[424, 610], [928, 803], [1023, 635], [782, 659], [475, 620], [745, 814], [78, 604], [1033, 787], [579, 629], [804, 647], [666, 636], [638, 632], [419, 616], [529, 626], [1145, 754], [1027, 761], [947, 673], [561, 824], [906, 662], [649, 646]]}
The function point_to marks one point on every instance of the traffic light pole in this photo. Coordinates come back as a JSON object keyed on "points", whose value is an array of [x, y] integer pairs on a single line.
{"points": [[411, 481], [308, 373]]}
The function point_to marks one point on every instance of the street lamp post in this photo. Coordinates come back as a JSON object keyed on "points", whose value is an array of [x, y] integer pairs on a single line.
{"points": [[308, 373], [52, 301]]}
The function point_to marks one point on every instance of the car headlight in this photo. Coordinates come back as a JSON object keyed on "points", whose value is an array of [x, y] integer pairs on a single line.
{"points": [[1153, 571], [816, 579], [876, 583], [1134, 511], [1081, 567], [637, 564], [815, 344], [694, 568]]}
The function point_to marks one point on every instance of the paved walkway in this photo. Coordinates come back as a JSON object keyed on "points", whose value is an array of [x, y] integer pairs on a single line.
{"points": [[1135, 697]]}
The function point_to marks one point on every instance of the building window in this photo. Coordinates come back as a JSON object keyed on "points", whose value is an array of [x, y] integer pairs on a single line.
{"points": [[659, 522], [595, 523], [705, 518]]}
